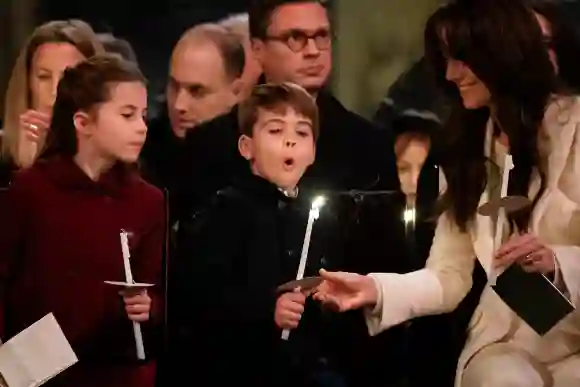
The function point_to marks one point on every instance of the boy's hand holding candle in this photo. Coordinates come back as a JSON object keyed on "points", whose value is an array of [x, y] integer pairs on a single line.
{"points": [[289, 309]]}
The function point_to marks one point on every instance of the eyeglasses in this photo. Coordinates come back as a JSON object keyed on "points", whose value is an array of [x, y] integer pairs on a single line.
{"points": [[296, 40]]}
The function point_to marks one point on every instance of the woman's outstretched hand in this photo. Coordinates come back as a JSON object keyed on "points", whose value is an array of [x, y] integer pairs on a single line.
{"points": [[346, 291]]}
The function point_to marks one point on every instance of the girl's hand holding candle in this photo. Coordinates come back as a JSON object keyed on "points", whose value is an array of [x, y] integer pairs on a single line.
{"points": [[137, 304]]}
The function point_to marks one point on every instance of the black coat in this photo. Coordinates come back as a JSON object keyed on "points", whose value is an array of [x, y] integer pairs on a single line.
{"points": [[232, 255], [161, 154], [235, 251]]}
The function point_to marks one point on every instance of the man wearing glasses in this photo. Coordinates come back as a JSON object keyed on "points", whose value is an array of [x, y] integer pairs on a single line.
{"points": [[292, 41]]}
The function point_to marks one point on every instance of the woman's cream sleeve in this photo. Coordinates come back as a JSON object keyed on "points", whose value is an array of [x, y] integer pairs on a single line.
{"points": [[437, 288]]}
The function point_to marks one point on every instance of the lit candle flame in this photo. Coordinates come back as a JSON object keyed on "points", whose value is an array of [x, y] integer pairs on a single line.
{"points": [[317, 203], [409, 215]]}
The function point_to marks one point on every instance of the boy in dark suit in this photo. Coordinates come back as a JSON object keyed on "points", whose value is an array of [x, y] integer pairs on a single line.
{"points": [[235, 252]]}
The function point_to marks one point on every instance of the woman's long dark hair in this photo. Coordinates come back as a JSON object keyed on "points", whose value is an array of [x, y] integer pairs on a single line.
{"points": [[83, 88], [501, 42]]}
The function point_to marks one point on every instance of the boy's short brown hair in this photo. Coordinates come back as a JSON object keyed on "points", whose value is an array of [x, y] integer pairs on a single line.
{"points": [[274, 96]]}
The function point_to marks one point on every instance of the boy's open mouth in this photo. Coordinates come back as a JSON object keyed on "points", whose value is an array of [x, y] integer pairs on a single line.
{"points": [[289, 162]]}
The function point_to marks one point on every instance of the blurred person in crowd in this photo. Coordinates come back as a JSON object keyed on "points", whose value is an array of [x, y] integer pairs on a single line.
{"points": [[292, 40], [493, 58], [413, 132], [52, 47], [239, 24], [60, 225], [414, 89], [118, 46], [204, 82], [562, 38]]}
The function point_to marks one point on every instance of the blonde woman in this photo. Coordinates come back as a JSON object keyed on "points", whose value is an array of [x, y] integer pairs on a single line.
{"points": [[31, 92]]}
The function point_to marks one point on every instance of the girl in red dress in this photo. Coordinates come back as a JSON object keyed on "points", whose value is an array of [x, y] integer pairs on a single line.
{"points": [[60, 225]]}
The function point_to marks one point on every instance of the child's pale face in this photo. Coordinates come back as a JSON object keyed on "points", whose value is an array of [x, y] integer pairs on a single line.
{"points": [[118, 131], [409, 165], [281, 148]]}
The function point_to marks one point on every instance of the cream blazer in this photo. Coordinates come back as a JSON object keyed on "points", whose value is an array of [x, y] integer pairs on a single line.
{"points": [[447, 276]]}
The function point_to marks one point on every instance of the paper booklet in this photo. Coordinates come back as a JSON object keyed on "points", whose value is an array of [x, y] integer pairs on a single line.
{"points": [[533, 298], [35, 355]]}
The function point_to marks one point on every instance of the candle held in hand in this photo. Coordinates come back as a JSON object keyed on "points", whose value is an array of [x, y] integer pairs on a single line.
{"points": [[314, 213], [501, 216], [129, 278]]}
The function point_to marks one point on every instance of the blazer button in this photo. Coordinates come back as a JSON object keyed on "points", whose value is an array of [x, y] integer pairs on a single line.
{"points": [[323, 261], [289, 253]]}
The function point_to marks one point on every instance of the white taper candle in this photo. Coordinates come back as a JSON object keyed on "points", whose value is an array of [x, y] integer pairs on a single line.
{"points": [[501, 217], [129, 279], [312, 216]]}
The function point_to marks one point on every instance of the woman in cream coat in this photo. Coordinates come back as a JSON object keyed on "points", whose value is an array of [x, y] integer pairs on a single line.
{"points": [[499, 62]]}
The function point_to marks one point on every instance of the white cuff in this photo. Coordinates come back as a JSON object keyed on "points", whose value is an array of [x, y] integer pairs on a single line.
{"points": [[378, 308], [402, 297]]}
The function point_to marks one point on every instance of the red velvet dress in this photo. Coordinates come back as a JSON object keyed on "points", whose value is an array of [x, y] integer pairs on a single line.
{"points": [[59, 240]]}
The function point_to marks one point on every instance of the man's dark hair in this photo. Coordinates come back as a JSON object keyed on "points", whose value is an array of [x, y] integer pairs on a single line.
{"points": [[261, 14]]}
